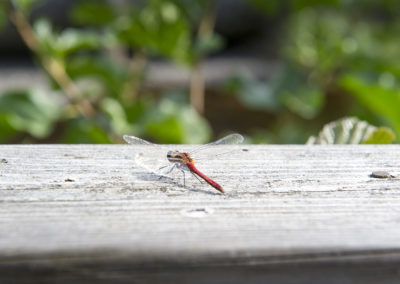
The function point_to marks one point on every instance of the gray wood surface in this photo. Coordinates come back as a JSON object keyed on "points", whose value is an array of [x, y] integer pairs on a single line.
{"points": [[291, 214]]}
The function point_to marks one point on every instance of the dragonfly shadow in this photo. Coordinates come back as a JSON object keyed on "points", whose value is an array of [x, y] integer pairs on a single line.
{"points": [[152, 177], [148, 176]]}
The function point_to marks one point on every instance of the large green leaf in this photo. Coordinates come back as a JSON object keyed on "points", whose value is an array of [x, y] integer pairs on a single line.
{"points": [[384, 102], [32, 111]]}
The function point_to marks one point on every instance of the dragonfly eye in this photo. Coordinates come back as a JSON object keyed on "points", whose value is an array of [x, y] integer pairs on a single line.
{"points": [[173, 155]]}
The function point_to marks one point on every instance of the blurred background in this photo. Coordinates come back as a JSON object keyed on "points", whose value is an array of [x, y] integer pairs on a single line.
{"points": [[189, 71]]}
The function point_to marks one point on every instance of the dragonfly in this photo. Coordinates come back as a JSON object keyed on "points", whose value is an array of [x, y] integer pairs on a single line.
{"points": [[165, 163]]}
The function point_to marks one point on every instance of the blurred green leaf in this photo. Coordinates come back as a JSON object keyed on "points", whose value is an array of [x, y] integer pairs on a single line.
{"points": [[350, 130], [32, 111], [116, 113], [91, 87], [72, 40], [3, 13], [7, 131], [106, 71], [300, 4], [254, 94], [208, 44], [172, 122], [25, 5], [382, 101], [64, 43], [94, 13], [325, 41], [82, 130], [160, 28], [381, 135], [268, 7], [306, 102], [315, 40], [44, 34]]}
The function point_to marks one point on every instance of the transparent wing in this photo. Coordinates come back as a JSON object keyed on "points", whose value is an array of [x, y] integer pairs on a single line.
{"points": [[154, 157], [231, 139], [161, 167], [136, 140], [153, 165], [213, 152], [150, 158]]}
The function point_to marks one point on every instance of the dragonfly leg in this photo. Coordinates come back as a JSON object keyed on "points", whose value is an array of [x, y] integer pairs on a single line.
{"points": [[163, 167], [169, 171], [184, 179], [197, 177]]}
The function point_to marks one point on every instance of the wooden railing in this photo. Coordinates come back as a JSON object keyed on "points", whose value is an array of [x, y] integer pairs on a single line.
{"points": [[291, 214]]}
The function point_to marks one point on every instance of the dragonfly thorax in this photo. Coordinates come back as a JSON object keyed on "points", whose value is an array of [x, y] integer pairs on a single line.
{"points": [[179, 157]]}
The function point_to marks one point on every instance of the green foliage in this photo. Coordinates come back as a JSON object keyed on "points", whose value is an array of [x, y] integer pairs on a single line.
{"points": [[268, 7], [81, 130], [381, 135], [118, 118], [65, 43], [25, 6], [333, 49], [329, 49], [93, 13], [158, 28], [252, 93], [305, 101], [206, 44], [33, 111], [81, 63], [3, 13], [175, 122], [383, 101], [110, 76]]}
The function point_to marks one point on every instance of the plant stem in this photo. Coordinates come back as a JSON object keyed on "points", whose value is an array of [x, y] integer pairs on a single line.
{"points": [[132, 85], [197, 81], [197, 87], [53, 66]]}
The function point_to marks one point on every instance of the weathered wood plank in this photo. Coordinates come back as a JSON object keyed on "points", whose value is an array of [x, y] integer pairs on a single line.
{"points": [[300, 209]]}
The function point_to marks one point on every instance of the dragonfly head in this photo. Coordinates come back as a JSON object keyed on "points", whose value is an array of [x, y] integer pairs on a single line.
{"points": [[179, 157], [174, 156]]}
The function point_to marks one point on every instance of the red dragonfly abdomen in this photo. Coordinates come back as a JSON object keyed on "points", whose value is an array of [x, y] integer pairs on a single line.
{"points": [[194, 170]]}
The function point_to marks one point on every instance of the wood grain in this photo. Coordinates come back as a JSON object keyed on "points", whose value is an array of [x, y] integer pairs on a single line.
{"points": [[290, 213]]}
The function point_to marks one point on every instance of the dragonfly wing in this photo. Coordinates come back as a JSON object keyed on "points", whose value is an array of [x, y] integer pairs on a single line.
{"points": [[156, 166], [153, 159], [136, 140], [232, 139]]}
